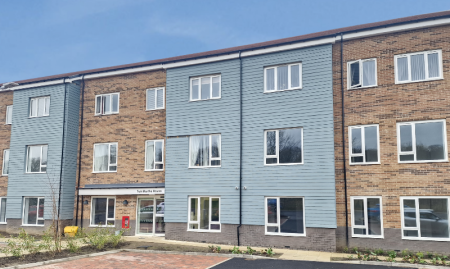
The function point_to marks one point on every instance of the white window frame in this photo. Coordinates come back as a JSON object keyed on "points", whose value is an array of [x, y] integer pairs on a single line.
{"points": [[154, 155], [413, 129], [107, 211], [363, 144], [278, 224], [109, 158], [3, 162], [1, 202], [366, 217], [277, 147], [110, 104], [198, 214], [34, 114], [210, 87], [289, 77], [408, 55], [417, 228], [361, 61], [210, 152], [40, 169], [37, 211], [8, 119], [156, 98]]}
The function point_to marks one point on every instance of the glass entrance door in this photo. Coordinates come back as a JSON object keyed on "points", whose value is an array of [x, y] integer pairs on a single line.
{"points": [[150, 216]]}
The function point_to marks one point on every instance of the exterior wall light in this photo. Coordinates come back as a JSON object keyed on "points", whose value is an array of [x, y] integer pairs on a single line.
{"points": [[86, 202], [125, 202]]}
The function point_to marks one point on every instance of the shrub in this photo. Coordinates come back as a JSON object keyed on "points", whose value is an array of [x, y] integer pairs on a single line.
{"points": [[250, 251], [355, 250], [215, 249], [346, 249], [379, 252], [102, 237], [73, 245], [391, 256], [235, 250]]}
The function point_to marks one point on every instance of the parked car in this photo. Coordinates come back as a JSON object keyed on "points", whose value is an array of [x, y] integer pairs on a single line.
{"points": [[431, 225]]}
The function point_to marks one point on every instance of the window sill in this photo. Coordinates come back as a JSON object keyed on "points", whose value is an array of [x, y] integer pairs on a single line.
{"points": [[365, 163], [96, 115], [298, 88], [101, 172], [8, 123], [286, 234], [5, 175], [216, 98], [283, 164], [365, 87], [102, 226], [205, 231], [204, 167], [3, 223], [431, 161], [35, 172], [368, 236], [406, 82], [426, 239], [155, 109], [39, 117], [154, 170], [32, 225]]}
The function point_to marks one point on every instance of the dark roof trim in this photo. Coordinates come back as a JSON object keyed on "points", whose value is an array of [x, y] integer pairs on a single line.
{"points": [[124, 186]]}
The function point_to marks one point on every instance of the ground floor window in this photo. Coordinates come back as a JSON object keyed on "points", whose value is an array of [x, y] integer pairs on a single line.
{"points": [[151, 216], [367, 217], [33, 211], [285, 216], [2, 209], [425, 217], [204, 213], [103, 211]]}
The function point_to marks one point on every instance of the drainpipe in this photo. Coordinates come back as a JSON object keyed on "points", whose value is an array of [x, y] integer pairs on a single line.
{"points": [[343, 140], [79, 154], [62, 152], [240, 148]]}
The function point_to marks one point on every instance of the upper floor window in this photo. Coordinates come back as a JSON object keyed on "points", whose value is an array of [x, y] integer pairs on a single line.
{"points": [[107, 104], [364, 144], [9, 110], [283, 146], [154, 151], [204, 214], [205, 150], [105, 157], [37, 159], [204, 88], [40, 106], [422, 141], [367, 217], [155, 98], [362, 73], [5, 169], [285, 216], [283, 77], [420, 66]]}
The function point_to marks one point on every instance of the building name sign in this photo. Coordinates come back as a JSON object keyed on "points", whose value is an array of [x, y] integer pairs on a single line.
{"points": [[124, 191], [150, 191]]}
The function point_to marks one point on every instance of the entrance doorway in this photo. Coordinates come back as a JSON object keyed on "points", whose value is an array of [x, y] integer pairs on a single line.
{"points": [[150, 216]]}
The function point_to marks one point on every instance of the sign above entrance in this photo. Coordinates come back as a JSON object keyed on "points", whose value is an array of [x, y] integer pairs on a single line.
{"points": [[127, 191]]}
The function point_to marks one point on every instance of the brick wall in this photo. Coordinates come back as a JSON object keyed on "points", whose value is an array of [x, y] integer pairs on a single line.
{"points": [[386, 105], [6, 99]]}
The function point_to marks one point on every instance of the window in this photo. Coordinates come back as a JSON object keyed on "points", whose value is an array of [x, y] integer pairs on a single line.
{"points": [[37, 159], [422, 141], [425, 218], [40, 106], [154, 151], [105, 157], [204, 214], [364, 142], [204, 88], [9, 110], [102, 211], [283, 146], [367, 217], [285, 216], [107, 104], [33, 211], [205, 150], [155, 99], [283, 77], [421, 66], [3, 210], [5, 169], [362, 73]]}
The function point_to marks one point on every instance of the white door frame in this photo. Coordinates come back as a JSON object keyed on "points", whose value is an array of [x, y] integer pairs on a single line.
{"points": [[149, 197]]}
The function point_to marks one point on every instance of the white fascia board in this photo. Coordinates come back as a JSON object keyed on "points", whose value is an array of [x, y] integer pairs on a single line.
{"points": [[39, 84], [118, 72], [124, 191]]}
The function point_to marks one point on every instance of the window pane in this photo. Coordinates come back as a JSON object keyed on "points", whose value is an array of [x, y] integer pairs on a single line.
{"points": [[282, 77], [411, 233], [430, 141], [150, 153], [270, 79], [99, 211], [215, 162], [408, 157], [194, 89], [374, 216], [433, 65], [160, 98], [44, 155], [160, 225], [3, 210], [271, 142], [290, 145], [215, 146], [215, 212], [151, 99], [206, 88], [291, 215], [41, 208], [31, 211], [433, 218], [272, 229], [115, 103], [194, 207], [101, 157], [215, 226], [113, 154], [216, 87], [371, 144], [402, 69], [34, 159], [5, 169], [160, 206], [358, 209], [409, 213], [356, 140], [41, 107], [271, 160], [359, 231], [98, 108], [272, 211], [369, 73], [199, 150], [158, 151], [354, 74], [111, 208], [9, 110], [295, 76], [107, 104], [204, 213], [359, 159], [47, 106], [33, 107], [405, 138], [417, 67]]}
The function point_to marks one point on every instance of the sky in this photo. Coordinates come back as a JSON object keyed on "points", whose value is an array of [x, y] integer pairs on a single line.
{"points": [[48, 37]]}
